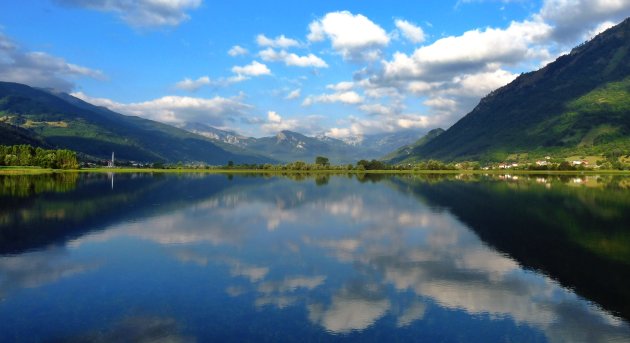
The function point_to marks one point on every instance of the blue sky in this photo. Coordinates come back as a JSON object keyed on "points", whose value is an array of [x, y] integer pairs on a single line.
{"points": [[343, 68]]}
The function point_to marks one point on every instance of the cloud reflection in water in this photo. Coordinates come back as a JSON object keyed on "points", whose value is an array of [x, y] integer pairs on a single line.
{"points": [[350, 255]]}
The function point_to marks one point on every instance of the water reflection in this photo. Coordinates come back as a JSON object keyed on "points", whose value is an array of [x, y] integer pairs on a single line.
{"points": [[139, 329], [34, 269], [331, 258]]}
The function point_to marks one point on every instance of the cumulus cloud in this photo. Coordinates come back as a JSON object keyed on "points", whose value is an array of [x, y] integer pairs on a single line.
{"points": [[411, 32], [450, 75], [355, 37], [291, 59], [572, 19], [278, 42], [253, 69], [342, 86], [39, 69], [177, 109], [237, 50], [141, 13], [347, 97], [473, 50]]}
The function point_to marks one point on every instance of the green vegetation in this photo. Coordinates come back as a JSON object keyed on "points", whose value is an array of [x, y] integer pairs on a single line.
{"points": [[20, 186], [404, 152], [26, 155], [322, 161], [46, 119]]}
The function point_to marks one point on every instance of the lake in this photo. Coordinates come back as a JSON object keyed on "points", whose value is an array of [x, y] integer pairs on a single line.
{"points": [[213, 257]]}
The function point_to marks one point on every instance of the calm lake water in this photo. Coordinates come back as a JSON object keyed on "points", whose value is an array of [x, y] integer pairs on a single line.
{"points": [[432, 258]]}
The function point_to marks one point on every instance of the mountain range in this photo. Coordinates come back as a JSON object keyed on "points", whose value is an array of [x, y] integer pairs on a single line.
{"points": [[288, 146], [43, 117], [578, 104], [47, 118]]}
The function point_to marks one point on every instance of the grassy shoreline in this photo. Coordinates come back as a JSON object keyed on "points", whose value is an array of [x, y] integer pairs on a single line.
{"points": [[37, 170]]}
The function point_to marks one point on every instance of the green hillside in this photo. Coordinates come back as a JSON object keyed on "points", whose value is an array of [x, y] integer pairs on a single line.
{"points": [[13, 135], [60, 120], [577, 105], [405, 152]]}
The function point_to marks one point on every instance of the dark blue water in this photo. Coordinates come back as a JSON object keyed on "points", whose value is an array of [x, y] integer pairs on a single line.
{"points": [[328, 258]]}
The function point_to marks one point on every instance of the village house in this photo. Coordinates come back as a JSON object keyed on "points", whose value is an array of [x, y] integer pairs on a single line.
{"points": [[579, 163]]}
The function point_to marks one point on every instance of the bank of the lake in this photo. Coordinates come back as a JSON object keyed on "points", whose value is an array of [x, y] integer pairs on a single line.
{"points": [[38, 170]]}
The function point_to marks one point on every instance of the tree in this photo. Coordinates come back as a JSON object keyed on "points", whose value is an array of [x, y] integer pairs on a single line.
{"points": [[322, 161], [564, 165], [363, 163]]}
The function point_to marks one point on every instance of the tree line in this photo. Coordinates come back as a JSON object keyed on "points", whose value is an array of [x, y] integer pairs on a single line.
{"points": [[26, 155]]}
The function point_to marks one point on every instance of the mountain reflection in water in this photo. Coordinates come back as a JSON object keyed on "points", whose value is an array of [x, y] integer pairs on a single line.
{"points": [[367, 257]]}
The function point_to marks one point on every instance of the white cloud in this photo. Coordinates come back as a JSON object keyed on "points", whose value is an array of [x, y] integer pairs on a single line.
{"points": [[441, 103], [278, 42], [274, 117], [193, 85], [237, 50], [253, 69], [349, 311], [253, 273], [414, 312], [473, 50], [276, 123], [141, 13], [390, 122], [450, 75], [377, 109], [39, 69], [291, 59], [35, 269], [598, 29], [411, 32], [573, 18], [422, 87], [177, 109], [342, 86], [355, 37], [480, 84], [294, 94], [348, 97]]}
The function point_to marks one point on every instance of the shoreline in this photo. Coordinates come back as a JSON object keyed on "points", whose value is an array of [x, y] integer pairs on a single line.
{"points": [[39, 171]]}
